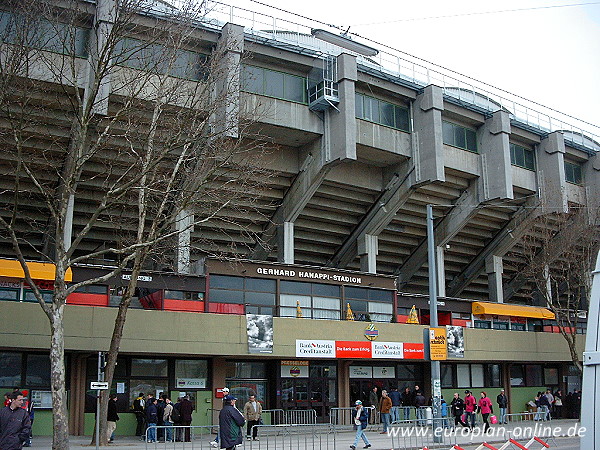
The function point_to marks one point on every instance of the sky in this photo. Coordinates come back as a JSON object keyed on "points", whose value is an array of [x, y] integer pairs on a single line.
{"points": [[548, 55]]}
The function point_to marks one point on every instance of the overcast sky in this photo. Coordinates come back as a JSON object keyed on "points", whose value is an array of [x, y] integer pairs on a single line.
{"points": [[550, 55]]}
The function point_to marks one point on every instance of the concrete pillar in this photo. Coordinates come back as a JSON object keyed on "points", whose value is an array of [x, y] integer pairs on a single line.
{"points": [[551, 173], [441, 271], [343, 381], [428, 144], [494, 148], [218, 382], [104, 20], [494, 268], [368, 249], [591, 179], [285, 243], [77, 396], [227, 84], [342, 124], [184, 226]]}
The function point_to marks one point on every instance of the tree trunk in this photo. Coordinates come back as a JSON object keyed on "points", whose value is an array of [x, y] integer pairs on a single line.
{"points": [[60, 437]]}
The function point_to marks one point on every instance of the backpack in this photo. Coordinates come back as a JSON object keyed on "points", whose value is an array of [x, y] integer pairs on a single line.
{"points": [[175, 414]]}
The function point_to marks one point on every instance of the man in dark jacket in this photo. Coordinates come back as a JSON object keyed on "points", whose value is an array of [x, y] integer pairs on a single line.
{"points": [[112, 416], [419, 404], [151, 419], [457, 407], [231, 423], [138, 408], [502, 401], [15, 425], [396, 398], [185, 412]]}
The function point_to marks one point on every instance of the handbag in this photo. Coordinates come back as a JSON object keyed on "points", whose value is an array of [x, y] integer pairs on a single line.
{"points": [[493, 419]]}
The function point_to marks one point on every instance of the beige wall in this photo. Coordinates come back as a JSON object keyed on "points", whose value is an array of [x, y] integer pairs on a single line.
{"points": [[89, 329]]}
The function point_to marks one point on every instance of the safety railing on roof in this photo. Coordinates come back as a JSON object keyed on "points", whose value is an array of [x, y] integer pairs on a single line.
{"points": [[281, 29]]}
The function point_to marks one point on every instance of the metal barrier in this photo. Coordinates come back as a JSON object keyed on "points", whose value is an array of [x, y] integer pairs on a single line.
{"points": [[529, 415], [291, 416], [409, 434], [341, 418], [298, 437], [200, 437]]}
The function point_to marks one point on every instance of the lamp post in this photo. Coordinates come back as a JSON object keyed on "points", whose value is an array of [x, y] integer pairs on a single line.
{"points": [[436, 385]]}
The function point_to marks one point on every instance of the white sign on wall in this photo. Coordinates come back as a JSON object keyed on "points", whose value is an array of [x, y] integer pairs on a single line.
{"points": [[191, 383], [315, 349], [294, 369], [393, 350], [384, 372], [361, 372]]}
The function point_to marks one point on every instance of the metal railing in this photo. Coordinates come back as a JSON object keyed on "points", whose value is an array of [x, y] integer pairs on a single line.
{"points": [[200, 437], [341, 418], [291, 31], [411, 434], [296, 436], [290, 416]]}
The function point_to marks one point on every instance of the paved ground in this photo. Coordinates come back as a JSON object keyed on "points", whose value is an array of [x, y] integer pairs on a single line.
{"points": [[343, 440]]}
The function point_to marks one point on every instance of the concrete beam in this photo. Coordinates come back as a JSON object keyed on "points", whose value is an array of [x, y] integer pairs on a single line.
{"points": [[368, 251], [591, 178], [494, 148], [464, 209], [551, 173], [500, 244], [441, 271], [494, 269], [285, 243]]}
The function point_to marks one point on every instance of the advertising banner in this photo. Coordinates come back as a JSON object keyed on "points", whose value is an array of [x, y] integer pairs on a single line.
{"points": [[393, 350], [315, 348], [438, 349], [456, 341], [352, 349], [260, 333], [306, 348]]}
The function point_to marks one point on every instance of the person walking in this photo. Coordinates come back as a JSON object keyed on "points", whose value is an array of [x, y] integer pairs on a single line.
{"points": [[485, 407], [470, 406], [15, 424], [396, 399], [550, 399], [252, 413], [138, 408], [374, 402], [457, 407], [231, 422], [111, 417], [185, 412], [502, 401], [168, 419], [151, 419], [360, 418], [385, 406]]}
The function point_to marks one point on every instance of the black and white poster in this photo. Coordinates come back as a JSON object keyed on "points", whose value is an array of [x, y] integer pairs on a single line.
{"points": [[260, 333], [456, 341]]}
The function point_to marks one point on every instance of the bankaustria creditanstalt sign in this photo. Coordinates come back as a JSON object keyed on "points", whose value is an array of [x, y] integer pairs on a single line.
{"points": [[356, 349]]}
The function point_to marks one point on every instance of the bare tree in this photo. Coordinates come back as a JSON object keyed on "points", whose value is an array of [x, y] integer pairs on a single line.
{"points": [[558, 256], [115, 148]]}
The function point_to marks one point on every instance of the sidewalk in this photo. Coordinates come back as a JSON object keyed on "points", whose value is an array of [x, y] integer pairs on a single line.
{"points": [[467, 440]]}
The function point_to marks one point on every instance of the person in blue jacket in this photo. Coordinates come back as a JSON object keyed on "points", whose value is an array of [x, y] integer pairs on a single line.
{"points": [[360, 417], [231, 423]]}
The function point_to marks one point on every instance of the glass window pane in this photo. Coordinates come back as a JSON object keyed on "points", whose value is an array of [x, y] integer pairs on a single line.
{"points": [[149, 367], [471, 140], [494, 378], [290, 312], [252, 79], [261, 285], [402, 119], [38, 371], [387, 114], [448, 133], [358, 105], [294, 287], [446, 376], [191, 368], [260, 298], [146, 386], [463, 375], [246, 369], [295, 88], [174, 295], [324, 314], [376, 307], [273, 83], [224, 296], [222, 281], [375, 113], [327, 290], [550, 376], [10, 369], [519, 156], [459, 137], [357, 306], [529, 160], [9, 294], [533, 375], [517, 377], [356, 292], [326, 303], [291, 300], [477, 375], [381, 295]]}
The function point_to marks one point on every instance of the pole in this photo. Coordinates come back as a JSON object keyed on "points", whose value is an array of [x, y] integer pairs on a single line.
{"points": [[433, 322], [590, 438], [100, 378]]}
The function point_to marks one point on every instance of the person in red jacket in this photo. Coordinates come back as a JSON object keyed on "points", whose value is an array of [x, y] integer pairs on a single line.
{"points": [[470, 406], [485, 407]]}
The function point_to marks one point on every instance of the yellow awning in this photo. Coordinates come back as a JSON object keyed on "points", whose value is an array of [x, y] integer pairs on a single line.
{"points": [[504, 309], [39, 271]]}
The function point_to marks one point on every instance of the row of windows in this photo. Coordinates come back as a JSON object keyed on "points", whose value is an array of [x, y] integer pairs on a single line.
{"points": [[381, 112], [533, 375], [24, 369], [471, 375], [459, 136], [522, 157], [272, 83]]}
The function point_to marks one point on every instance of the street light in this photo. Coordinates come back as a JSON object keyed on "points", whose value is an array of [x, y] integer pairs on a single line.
{"points": [[343, 41]]}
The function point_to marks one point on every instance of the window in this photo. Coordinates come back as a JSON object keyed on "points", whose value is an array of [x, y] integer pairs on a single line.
{"points": [[447, 376], [149, 367], [10, 369], [517, 376], [500, 325], [550, 376], [184, 295], [533, 375], [158, 58], [573, 173], [459, 136], [375, 305], [522, 157], [272, 83], [317, 301], [486, 324], [517, 326], [258, 295], [191, 368], [471, 375], [38, 371], [493, 375], [383, 113]]}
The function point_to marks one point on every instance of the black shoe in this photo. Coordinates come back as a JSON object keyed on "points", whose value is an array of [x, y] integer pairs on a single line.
{"points": [[353, 447], [367, 446]]}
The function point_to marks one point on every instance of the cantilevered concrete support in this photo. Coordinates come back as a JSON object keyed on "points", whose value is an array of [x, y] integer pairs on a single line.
{"points": [[551, 173], [285, 243], [494, 269], [104, 20], [184, 227], [337, 145], [591, 177], [426, 166], [504, 240], [227, 87], [441, 271], [494, 148], [368, 250]]}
